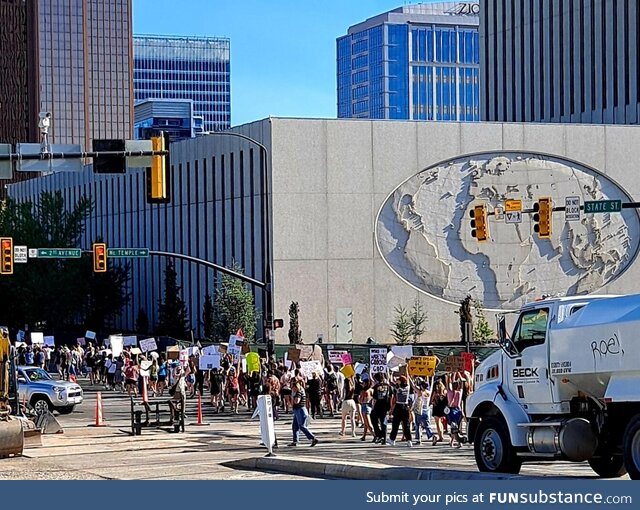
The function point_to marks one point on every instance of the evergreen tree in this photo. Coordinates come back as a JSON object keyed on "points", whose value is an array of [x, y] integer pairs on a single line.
{"points": [[482, 331], [234, 308], [208, 317], [417, 319], [295, 334], [172, 314], [142, 322], [402, 329]]}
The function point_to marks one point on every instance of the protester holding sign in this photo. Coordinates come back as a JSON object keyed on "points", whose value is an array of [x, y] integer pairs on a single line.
{"points": [[454, 416], [439, 403], [400, 411], [422, 411], [382, 393]]}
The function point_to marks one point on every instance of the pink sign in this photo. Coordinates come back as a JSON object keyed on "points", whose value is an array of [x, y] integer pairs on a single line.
{"points": [[346, 359]]}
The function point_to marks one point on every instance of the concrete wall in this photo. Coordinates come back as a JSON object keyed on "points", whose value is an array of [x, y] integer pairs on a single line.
{"points": [[330, 178]]}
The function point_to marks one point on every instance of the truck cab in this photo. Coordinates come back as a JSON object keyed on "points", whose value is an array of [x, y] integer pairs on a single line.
{"points": [[548, 394]]}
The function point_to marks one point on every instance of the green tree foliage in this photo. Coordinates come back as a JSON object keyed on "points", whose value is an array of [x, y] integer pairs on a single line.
{"points": [[56, 292], [295, 334], [482, 332], [417, 319], [234, 308], [142, 322], [208, 317], [401, 329], [172, 315]]}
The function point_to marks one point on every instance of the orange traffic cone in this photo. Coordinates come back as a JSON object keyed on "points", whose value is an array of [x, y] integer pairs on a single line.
{"points": [[200, 421], [99, 420]]}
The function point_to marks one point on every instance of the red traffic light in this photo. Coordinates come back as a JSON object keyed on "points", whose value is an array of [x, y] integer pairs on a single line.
{"points": [[100, 257], [6, 255]]}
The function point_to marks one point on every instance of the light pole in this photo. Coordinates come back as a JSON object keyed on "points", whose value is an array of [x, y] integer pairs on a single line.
{"points": [[267, 250]]}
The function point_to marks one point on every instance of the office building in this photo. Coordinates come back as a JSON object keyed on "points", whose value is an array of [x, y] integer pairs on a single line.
{"points": [[71, 58], [172, 116], [560, 61], [373, 214], [417, 62], [196, 68]]}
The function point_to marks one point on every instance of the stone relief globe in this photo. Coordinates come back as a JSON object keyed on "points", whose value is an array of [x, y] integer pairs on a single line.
{"points": [[423, 230]]}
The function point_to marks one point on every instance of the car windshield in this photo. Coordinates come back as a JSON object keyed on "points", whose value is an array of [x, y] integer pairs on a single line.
{"points": [[37, 374]]}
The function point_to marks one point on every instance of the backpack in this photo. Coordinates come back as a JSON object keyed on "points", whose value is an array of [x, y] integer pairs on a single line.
{"points": [[332, 382]]}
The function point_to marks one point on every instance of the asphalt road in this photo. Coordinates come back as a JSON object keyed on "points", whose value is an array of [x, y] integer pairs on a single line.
{"points": [[111, 452]]}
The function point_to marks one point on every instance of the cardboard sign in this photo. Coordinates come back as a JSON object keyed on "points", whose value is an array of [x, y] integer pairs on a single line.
{"points": [[422, 366], [378, 360], [469, 359], [50, 341], [253, 362], [37, 338], [81, 341], [336, 356], [454, 364], [148, 345], [309, 367], [360, 367], [305, 352], [173, 352], [117, 345], [130, 341], [403, 352], [293, 354], [135, 351], [348, 371], [246, 348], [222, 349], [210, 362], [347, 359]]}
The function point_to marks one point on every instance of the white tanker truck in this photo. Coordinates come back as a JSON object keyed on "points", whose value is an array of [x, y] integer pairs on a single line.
{"points": [[564, 386]]}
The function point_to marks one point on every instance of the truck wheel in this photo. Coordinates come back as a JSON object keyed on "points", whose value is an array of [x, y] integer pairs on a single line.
{"points": [[631, 448], [492, 448], [40, 404], [611, 466]]}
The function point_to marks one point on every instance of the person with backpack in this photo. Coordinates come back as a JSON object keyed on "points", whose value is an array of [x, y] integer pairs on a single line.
{"points": [[330, 389], [400, 411], [382, 393]]}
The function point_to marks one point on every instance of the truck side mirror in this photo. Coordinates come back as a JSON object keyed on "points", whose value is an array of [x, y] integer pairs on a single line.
{"points": [[22, 380]]}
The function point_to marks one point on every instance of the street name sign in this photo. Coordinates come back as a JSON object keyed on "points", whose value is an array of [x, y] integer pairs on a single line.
{"points": [[572, 209], [603, 206], [59, 253], [127, 252], [20, 254]]}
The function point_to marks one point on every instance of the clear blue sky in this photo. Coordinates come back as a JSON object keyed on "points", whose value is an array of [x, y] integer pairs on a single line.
{"points": [[282, 51]]}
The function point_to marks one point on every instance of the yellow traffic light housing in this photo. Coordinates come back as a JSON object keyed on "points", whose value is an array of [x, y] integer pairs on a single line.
{"points": [[158, 182], [6, 255], [99, 257], [543, 209], [479, 225]]}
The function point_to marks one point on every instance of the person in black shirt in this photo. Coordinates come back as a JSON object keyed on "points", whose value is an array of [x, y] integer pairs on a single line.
{"points": [[382, 393], [400, 409], [314, 387], [300, 414]]}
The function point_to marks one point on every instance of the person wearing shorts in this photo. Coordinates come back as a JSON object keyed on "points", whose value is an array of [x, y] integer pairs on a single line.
{"points": [[349, 407], [366, 395]]}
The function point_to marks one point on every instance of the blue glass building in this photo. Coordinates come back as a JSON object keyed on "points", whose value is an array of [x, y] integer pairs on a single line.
{"points": [[417, 62], [196, 68]]}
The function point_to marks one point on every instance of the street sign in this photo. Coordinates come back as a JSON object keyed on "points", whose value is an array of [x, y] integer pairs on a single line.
{"points": [[603, 206], [513, 217], [20, 254], [33, 253], [512, 205], [59, 253], [572, 209], [127, 252]]}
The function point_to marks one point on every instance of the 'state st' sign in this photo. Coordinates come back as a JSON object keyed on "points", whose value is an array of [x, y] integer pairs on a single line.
{"points": [[465, 9]]}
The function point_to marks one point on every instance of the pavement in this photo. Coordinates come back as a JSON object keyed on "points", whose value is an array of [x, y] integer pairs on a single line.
{"points": [[227, 447]]}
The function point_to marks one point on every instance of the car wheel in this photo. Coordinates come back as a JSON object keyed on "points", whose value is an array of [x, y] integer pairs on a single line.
{"points": [[65, 410], [40, 405], [492, 448]]}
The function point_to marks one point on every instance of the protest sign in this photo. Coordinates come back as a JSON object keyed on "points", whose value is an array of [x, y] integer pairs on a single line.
{"points": [[193, 351], [243, 364], [454, 364], [403, 352], [336, 356], [423, 366], [117, 344], [306, 351], [253, 362], [184, 357], [209, 350], [148, 344], [81, 341], [360, 367], [50, 341], [130, 341], [348, 371], [37, 338], [378, 360], [347, 359], [144, 368], [91, 335], [173, 352], [309, 367], [293, 354], [210, 362], [222, 349], [468, 358]]}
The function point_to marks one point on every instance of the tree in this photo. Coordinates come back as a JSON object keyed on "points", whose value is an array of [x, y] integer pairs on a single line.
{"points": [[172, 314], [208, 317], [142, 322], [402, 329], [234, 307], [465, 318], [56, 292], [482, 331], [417, 319], [295, 334]]}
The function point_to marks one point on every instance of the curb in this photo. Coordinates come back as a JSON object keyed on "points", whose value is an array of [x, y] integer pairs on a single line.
{"points": [[327, 468]]}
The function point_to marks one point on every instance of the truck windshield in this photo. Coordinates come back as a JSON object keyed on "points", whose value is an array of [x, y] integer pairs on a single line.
{"points": [[531, 329], [37, 374]]}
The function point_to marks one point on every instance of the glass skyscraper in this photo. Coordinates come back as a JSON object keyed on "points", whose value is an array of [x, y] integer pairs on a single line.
{"points": [[417, 62], [196, 68]]}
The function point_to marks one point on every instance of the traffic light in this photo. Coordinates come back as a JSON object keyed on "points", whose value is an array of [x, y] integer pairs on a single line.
{"points": [[543, 209], [158, 182], [99, 257], [479, 225], [6, 244]]}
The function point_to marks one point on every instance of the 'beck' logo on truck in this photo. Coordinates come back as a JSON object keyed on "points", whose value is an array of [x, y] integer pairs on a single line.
{"points": [[525, 372]]}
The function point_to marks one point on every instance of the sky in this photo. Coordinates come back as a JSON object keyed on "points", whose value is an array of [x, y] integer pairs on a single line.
{"points": [[283, 52]]}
